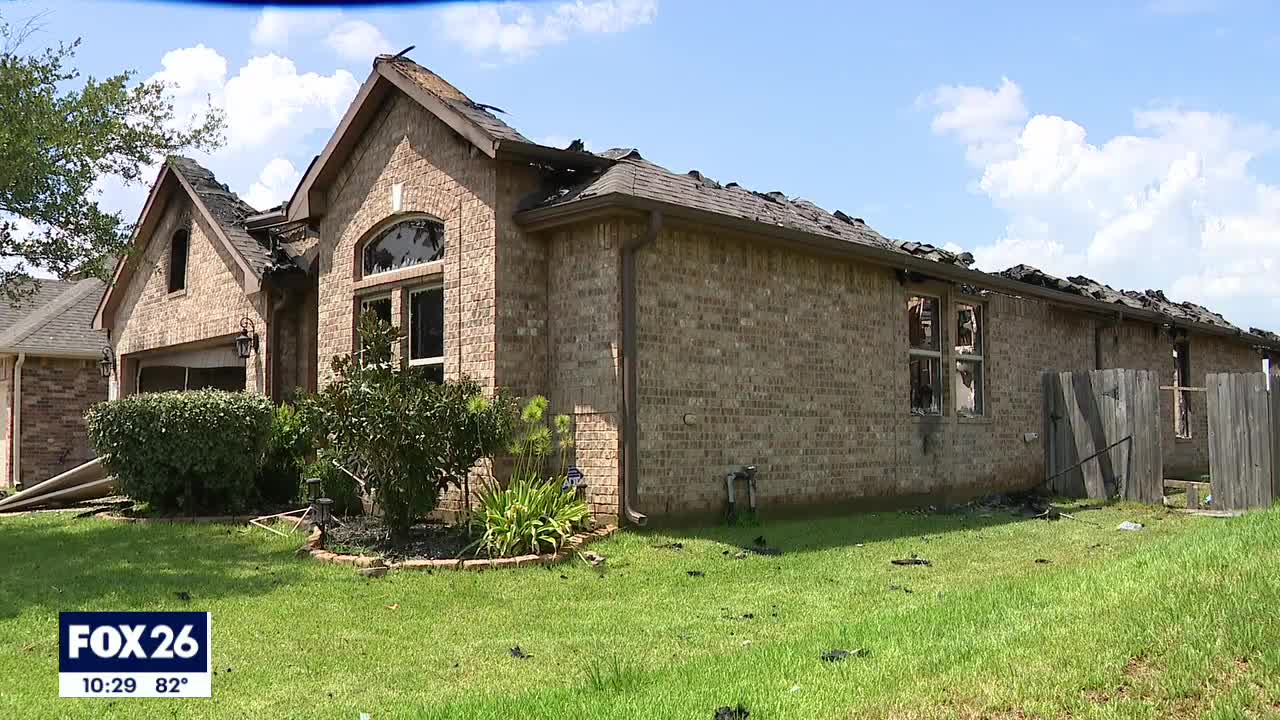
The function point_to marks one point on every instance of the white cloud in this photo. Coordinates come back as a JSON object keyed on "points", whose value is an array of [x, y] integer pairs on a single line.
{"points": [[267, 100], [275, 183], [357, 40], [515, 30], [277, 26], [1174, 204]]}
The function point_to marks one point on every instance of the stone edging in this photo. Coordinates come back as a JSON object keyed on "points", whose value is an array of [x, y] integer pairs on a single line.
{"points": [[566, 551]]}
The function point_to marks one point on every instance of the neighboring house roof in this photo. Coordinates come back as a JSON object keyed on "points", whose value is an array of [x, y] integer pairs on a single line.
{"points": [[57, 320]]}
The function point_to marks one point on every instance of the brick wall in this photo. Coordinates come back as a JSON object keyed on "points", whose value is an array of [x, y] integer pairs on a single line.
{"points": [[208, 311], [755, 354], [56, 393], [443, 176], [584, 365]]}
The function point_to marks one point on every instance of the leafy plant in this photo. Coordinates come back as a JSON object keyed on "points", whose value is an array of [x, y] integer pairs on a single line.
{"points": [[279, 480], [533, 513], [190, 451], [408, 437], [335, 484]]}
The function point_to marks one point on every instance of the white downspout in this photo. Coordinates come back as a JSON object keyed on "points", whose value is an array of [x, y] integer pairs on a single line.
{"points": [[17, 421]]}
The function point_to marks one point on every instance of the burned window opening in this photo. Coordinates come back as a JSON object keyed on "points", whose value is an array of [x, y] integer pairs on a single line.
{"points": [[1182, 397], [970, 379], [924, 354], [179, 246]]}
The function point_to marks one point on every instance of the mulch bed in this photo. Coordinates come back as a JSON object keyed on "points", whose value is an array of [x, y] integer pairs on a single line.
{"points": [[365, 535]]}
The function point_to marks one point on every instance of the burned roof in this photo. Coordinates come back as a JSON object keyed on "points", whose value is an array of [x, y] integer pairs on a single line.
{"points": [[480, 114], [633, 175], [231, 214], [1153, 300]]}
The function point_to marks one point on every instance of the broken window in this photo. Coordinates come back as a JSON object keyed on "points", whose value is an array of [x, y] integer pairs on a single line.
{"points": [[404, 244], [969, 360], [1181, 396], [924, 354]]}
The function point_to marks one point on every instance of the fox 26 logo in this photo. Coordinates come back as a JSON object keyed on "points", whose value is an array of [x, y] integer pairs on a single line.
{"points": [[134, 654]]}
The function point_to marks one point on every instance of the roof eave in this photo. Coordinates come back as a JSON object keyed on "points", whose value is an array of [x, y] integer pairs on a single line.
{"points": [[145, 220], [533, 152], [252, 278], [580, 210]]}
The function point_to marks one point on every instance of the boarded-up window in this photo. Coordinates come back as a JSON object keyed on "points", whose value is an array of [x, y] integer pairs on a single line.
{"points": [[924, 354], [970, 355]]}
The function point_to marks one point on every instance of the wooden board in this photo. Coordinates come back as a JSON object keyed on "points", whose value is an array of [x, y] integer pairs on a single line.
{"points": [[1242, 440]]}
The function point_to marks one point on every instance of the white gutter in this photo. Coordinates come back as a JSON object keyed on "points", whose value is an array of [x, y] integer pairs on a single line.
{"points": [[16, 440]]}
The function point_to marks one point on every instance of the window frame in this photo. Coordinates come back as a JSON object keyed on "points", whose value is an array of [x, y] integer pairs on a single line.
{"points": [[382, 230], [362, 301], [1181, 351], [979, 359], [915, 352], [409, 292], [186, 261]]}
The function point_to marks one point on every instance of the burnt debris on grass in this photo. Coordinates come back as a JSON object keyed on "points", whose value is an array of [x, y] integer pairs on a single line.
{"points": [[519, 654], [732, 713], [913, 560], [839, 655], [183, 595], [675, 546], [695, 573]]}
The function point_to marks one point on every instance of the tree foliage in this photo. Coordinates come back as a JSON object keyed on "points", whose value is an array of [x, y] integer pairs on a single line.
{"points": [[59, 135]]}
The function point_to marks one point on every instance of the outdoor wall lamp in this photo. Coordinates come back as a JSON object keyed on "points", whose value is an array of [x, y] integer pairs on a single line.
{"points": [[107, 364], [247, 340]]}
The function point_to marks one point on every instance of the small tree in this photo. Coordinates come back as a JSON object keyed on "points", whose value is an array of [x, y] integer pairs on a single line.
{"points": [[410, 438]]}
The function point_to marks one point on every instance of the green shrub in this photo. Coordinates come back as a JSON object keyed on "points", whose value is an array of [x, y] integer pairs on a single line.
{"points": [[406, 436], [335, 485], [280, 478], [197, 452], [530, 515], [533, 513]]}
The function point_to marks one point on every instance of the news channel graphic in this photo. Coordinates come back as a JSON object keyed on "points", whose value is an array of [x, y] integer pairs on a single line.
{"points": [[134, 654]]}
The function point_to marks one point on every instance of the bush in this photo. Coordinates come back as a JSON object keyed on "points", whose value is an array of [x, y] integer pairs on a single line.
{"points": [[407, 437], [197, 452], [335, 485], [280, 478], [533, 513]]}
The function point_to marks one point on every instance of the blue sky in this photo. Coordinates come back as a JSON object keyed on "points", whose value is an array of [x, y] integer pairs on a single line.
{"points": [[1135, 143]]}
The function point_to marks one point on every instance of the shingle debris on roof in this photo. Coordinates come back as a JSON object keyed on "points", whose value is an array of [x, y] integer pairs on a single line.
{"points": [[477, 113], [1153, 300], [632, 175], [230, 212]]}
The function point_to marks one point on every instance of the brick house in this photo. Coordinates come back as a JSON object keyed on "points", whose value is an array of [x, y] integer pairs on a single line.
{"points": [[49, 377], [687, 326]]}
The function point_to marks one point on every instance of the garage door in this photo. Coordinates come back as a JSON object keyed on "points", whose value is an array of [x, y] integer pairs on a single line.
{"points": [[217, 368]]}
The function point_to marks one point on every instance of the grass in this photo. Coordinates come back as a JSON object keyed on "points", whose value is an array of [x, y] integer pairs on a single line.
{"points": [[1177, 620]]}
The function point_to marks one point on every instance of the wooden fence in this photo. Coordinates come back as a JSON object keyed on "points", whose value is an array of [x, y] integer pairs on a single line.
{"points": [[1244, 439], [1102, 434]]}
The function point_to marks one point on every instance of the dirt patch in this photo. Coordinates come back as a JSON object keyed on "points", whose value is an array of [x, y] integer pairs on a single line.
{"points": [[366, 535]]}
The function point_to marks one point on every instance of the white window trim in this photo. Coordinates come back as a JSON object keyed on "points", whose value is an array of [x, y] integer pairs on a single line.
{"points": [[926, 353], [409, 293], [979, 358]]}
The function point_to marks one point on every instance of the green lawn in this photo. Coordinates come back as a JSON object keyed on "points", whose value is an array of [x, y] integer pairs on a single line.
{"points": [[1181, 619]]}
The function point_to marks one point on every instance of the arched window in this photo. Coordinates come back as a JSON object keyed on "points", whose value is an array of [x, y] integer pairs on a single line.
{"points": [[402, 245], [178, 246]]}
